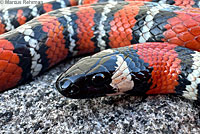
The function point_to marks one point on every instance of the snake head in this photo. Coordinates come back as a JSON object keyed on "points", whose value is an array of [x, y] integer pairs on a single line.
{"points": [[90, 77], [109, 72]]}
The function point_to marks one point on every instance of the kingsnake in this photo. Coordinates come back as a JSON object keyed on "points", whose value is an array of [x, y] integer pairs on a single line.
{"points": [[147, 68], [14, 17]]}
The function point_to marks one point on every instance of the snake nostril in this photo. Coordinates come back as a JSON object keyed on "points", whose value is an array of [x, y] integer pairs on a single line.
{"points": [[65, 84], [62, 85], [66, 87]]}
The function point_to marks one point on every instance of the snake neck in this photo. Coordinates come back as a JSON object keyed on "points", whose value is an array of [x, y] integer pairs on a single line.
{"points": [[162, 70]]}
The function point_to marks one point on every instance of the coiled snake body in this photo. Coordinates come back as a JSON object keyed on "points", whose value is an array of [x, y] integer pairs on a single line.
{"points": [[147, 68]]}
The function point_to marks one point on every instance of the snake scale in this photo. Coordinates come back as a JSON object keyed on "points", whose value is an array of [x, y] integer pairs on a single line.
{"points": [[165, 61]]}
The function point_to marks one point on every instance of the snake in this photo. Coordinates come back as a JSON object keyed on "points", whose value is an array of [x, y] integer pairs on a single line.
{"points": [[12, 18], [166, 60]]}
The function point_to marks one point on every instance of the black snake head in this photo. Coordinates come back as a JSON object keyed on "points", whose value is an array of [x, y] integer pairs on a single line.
{"points": [[90, 77], [109, 72]]}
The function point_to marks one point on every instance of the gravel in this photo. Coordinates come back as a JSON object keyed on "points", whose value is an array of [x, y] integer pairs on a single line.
{"points": [[36, 107]]}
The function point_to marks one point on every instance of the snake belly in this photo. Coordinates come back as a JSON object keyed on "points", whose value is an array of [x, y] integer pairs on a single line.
{"points": [[46, 40], [14, 17], [147, 68]]}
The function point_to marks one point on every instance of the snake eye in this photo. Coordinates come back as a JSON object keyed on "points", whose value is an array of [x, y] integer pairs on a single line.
{"points": [[98, 79]]}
